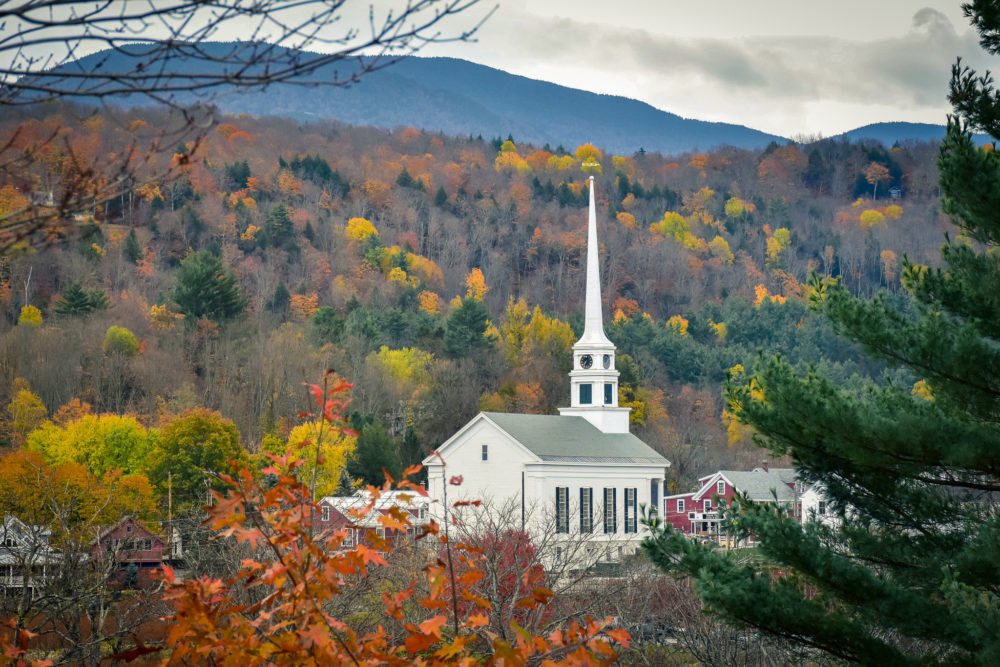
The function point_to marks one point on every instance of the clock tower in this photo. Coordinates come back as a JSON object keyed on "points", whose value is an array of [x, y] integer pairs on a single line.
{"points": [[594, 379]]}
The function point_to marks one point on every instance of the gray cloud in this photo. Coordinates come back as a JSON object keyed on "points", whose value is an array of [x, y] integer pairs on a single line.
{"points": [[909, 70]]}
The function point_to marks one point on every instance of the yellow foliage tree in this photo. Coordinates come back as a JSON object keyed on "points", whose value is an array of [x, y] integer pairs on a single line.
{"points": [[26, 410], [303, 306], [776, 244], [398, 276], [893, 211], [870, 217], [162, 318], [678, 324], [720, 329], [511, 161], [100, 442], [626, 219], [429, 302], [408, 365], [588, 153], [30, 317], [360, 229], [475, 285], [335, 448], [561, 163], [719, 248], [426, 269]]}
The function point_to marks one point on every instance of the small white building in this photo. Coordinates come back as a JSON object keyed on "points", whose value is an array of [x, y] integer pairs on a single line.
{"points": [[816, 506], [578, 473]]}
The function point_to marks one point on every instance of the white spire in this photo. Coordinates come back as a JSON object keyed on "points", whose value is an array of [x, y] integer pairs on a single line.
{"points": [[593, 323]]}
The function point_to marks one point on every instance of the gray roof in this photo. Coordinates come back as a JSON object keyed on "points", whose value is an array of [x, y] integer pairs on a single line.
{"points": [[574, 439], [760, 484]]}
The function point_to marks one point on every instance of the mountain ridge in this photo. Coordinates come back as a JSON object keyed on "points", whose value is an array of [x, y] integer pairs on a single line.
{"points": [[459, 97]]}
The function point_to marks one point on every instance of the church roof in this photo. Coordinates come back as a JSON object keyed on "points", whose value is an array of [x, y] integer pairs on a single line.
{"points": [[573, 439]]}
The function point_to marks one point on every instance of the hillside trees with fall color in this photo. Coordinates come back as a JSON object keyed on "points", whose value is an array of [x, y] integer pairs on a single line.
{"points": [[290, 247]]}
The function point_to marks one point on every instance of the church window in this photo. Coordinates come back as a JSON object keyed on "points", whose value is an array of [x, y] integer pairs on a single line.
{"points": [[586, 394], [608, 389], [654, 493], [486, 452], [586, 510], [562, 509], [631, 511], [610, 511]]}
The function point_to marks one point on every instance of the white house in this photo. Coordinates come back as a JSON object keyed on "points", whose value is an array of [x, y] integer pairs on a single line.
{"points": [[580, 472], [816, 506]]}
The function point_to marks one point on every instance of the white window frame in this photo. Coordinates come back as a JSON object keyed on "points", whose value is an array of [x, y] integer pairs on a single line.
{"points": [[610, 511], [631, 510], [706, 505], [680, 505], [562, 509], [586, 510], [326, 512], [720, 487]]}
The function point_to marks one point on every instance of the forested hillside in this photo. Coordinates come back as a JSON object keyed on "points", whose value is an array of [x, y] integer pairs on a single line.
{"points": [[441, 275]]}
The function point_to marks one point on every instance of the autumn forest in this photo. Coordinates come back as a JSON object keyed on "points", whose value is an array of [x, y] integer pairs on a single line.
{"points": [[441, 275]]}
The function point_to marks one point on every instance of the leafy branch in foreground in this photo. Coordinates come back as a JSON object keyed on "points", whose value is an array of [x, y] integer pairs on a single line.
{"points": [[298, 575]]}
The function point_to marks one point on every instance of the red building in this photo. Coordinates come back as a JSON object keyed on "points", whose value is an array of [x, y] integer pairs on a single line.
{"points": [[129, 552], [696, 513]]}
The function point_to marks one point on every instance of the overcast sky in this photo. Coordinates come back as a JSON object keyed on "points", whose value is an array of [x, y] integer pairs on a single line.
{"points": [[792, 67]]}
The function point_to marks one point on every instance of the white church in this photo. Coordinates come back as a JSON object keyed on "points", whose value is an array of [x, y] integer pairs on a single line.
{"points": [[577, 473]]}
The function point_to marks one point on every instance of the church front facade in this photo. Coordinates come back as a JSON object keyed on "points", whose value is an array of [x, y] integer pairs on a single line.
{"points": [[578, 475]]}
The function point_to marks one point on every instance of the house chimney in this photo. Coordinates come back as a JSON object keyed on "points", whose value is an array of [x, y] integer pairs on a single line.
{"points": [[763, 464]]}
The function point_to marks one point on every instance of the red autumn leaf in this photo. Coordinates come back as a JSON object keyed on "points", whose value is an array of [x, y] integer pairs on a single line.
{"points": [[432, 626], [456, 480], [620, 635]]}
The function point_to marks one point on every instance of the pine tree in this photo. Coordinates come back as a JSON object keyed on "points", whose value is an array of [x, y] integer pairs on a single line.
{"points": [[131, 250], [375, 454], [466, 329], [910, 572], [206, 290], [77, 301]]}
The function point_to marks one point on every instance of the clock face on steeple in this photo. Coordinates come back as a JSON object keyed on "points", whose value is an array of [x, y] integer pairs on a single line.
{"points": [[586, 361]]}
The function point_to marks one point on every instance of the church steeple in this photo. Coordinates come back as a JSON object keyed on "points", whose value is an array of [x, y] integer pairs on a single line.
{"points": [[594, 379], [593, 327]]}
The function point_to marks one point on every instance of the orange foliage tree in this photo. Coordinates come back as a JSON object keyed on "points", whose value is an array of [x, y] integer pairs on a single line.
{"points": [[445, 622]]}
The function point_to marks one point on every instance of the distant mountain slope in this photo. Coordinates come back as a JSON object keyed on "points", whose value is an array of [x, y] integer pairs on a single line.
{"points": [[890, 133], [459, 97]]}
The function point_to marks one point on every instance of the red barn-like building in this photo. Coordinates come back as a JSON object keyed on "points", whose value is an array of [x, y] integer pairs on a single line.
{"points": [[697, 513]]}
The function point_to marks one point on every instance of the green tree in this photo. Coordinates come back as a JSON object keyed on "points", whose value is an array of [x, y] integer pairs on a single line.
{"points": [[375, 451], [207, 290], [119, 341], [77, 301], [910, 572], [100, 442], [190, 453], [279, 232], [466, 329], [280, 300], [131, 250]]}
